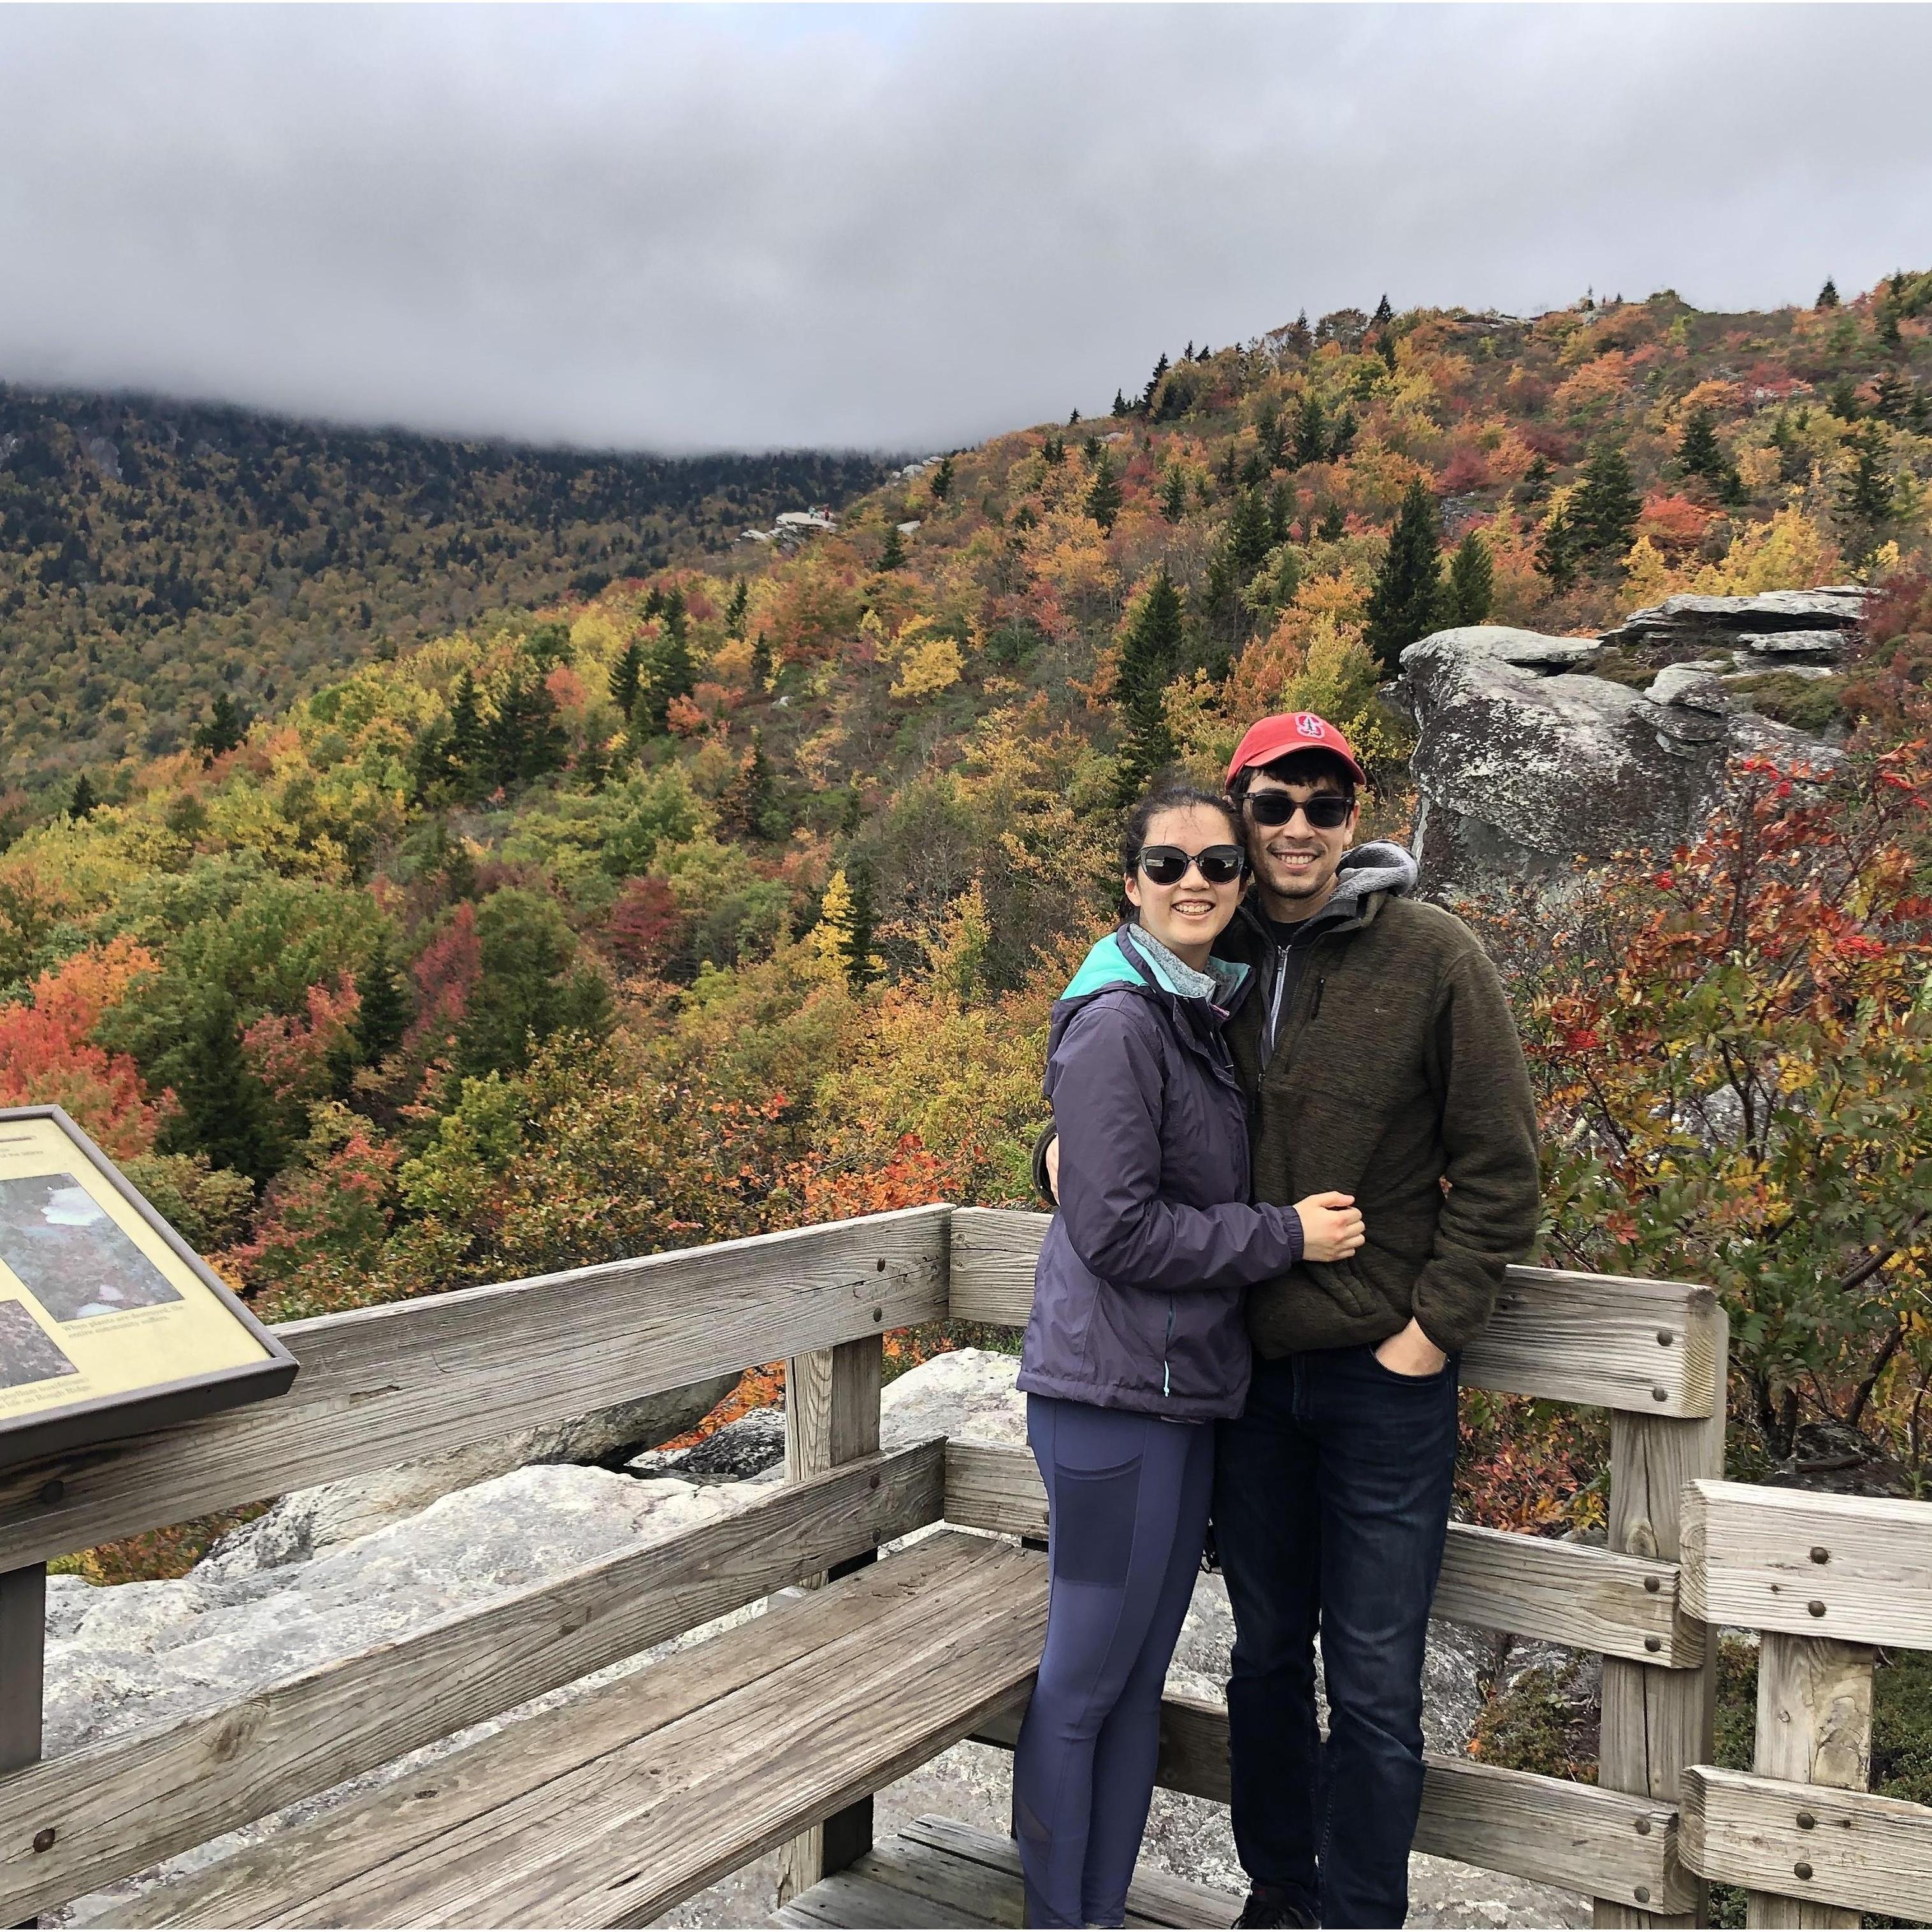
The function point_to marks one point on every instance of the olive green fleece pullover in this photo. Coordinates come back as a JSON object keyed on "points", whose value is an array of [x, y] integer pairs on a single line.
{"points": [[1396, 1076]]}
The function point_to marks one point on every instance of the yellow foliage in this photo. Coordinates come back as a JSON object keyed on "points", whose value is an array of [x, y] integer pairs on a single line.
{"points": [[1788, 552], [1648, 579], [928, 661]]}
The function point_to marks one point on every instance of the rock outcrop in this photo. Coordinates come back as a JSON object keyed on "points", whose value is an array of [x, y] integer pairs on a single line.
{"points": [[1526, 761]]}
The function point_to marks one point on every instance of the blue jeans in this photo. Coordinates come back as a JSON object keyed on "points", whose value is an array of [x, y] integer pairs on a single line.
{"points": [[1127, 1498], [1331, 1507]]}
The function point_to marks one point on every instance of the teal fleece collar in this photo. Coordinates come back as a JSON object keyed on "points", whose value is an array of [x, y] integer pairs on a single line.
{"points": [[1108, 965]]}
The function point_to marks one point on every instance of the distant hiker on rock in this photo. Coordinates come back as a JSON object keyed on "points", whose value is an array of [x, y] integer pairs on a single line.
{"points": [[1137, 1345], [1379, 1060]]}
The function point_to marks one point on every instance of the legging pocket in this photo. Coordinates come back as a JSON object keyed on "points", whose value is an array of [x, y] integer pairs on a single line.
{"points": [[1092, 1529]]}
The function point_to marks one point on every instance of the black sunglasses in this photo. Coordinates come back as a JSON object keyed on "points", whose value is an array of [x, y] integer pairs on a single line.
{"points": [[1167, 865], [1326, 810]]}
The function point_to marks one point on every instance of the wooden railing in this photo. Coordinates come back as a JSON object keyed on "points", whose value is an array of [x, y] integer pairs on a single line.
{"points": [[380, 1386], [1824, 1579], [1653, 1353]]}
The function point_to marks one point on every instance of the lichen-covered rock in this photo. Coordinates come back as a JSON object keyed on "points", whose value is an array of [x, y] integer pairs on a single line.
{"points": [[1526, 763], [1687, 619]]}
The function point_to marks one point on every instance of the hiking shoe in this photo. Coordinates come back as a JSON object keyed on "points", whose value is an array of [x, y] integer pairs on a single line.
{"points": [[1272, 1908]]}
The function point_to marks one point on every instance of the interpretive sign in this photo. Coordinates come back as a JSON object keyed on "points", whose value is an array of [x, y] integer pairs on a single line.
{"points": [[110, 1325]]}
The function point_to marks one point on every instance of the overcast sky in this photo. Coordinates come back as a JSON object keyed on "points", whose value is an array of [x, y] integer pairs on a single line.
{"points": [[679, 228]]}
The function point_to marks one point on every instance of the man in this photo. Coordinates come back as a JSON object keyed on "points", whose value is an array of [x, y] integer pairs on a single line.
{"points": [[1380, 1061]]}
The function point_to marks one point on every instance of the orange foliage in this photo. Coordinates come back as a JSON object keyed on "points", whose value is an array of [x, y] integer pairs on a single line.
{"points": [[47, 1056], [1674, 523]]}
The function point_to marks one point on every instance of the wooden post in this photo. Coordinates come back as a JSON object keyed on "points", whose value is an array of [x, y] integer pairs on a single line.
{"points": [[832, 1417], [1656, 1722], [23, 1627], [1814, 1726]]}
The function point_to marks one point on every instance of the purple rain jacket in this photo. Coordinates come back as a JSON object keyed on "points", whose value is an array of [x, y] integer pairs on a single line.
{"points": [[1137, 1295]]}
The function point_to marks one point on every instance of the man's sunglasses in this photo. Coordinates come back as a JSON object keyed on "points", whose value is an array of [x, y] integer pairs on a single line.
{"points": [[1167, 865], [1326, 811]]}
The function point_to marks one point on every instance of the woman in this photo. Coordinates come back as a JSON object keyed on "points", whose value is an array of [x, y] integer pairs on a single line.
{"points": [[1136, 1340]]}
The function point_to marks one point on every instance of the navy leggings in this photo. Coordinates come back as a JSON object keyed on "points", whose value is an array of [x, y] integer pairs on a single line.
{"points": [[1127, 1498]]}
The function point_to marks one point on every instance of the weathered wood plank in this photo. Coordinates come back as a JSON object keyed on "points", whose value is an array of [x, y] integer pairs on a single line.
{"points": [[381, 1386], [557, 1796], [1655, 1722], [832, 1416], [1858, 1568], [1814, 1726], [1816, 1845], [1565, 1593], [1542, 1828], [1154, 1898], [1655, 1348], [122, 1805]]}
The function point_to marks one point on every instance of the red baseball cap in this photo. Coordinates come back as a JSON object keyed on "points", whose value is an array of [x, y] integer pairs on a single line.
{"points": [[1271, 738]]}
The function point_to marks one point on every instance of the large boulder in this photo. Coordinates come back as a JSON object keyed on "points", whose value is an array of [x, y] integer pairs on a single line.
{"points": [[1525, 762], [309, 1522], [1695, 624]]}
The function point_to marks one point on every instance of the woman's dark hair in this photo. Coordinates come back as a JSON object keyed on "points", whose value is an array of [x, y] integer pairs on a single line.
{"points": [[1169, 795]]}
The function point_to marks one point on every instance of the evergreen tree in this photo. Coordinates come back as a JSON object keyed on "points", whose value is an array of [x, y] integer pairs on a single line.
{"points": [[1385, 347], [1343, 433], [673, 672], [526, 738], [893, 556], [1281, 511], [1311, 431], [466, 750], [1073, 415], [761, 663], [226, 726], [862, 964], [1885, 323], [1866, 499], [1605, 507], [1828, 296], [223, 1109], [1700, 454], [1154, 384], [85, 799], [1471, 581], [1535, 486], [941, 480], [1053, 451], [1250, 536], [734, 610], [1150, 658], [1173, 494], [1227, 472], [1271, 434], [1333, 526], [750, 803], [654, 604], [1120, 404], [1384, 313], [384, 1017], [1103, 497], [627, 676], [1406, 598], [1844, 401], [1892, 398], [1557, 550]]}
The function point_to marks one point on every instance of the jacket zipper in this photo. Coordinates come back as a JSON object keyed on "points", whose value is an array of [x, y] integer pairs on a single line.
{"points": [[1167, 1343]]}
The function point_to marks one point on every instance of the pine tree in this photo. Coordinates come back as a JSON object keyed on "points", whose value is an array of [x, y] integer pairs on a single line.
{"points": [[1311, 432], [1535, 486], [1557, 550], [227, 725], [1866, 500], [1053, 451], [85, 800], [1843, 399], [1471, 581], [1298, 338], [1605, 507], [1383, 314], [1281, 511], [1333, 526], [1173, 494], [1885, 322], [941, 482], [862, 963], [673, 672], [1120, 404], [627, 675], [1270, 433], [1150, 658], [734, 610], [1828, 296], [1073, 415], [1154, 384], [654, 604], [893, 556], [761, 663], [1406, 598], [1103, 497], [1343, 433], [750, 803], [384, 1015], [1385, 346], [1250, 536]]}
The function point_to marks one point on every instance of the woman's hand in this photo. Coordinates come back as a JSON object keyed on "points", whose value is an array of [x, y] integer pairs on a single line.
{"points": [[1331, 1227]]}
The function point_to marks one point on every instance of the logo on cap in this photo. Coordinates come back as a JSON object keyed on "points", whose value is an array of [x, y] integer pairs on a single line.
{"points": [[1308, 725]]}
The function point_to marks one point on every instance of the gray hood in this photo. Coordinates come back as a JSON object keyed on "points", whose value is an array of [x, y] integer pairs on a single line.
{"points": [[1376, 867]]}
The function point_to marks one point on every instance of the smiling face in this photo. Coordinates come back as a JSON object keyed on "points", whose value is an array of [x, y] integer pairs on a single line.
{"points": [[1294, 864], [1188, 916]]}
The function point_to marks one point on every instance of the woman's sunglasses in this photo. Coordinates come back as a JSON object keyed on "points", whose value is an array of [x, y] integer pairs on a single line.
{"points": [[1326, 811], [1167, 865]]}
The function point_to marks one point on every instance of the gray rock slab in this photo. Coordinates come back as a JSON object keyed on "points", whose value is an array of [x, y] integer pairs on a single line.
{"points": [[1821, 646], [1835, 607]]}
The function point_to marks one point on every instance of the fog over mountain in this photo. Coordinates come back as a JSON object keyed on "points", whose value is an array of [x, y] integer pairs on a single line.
{"points": [[750, 227]]}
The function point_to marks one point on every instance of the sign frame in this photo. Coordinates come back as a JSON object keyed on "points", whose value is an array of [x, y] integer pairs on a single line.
{"points": [[31, 1438]]}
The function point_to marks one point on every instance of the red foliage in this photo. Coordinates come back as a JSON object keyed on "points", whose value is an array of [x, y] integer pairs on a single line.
{"points": [[291, 1053], [644, 928], [446, 972], [1468, 469], [46, 1056], [1674, 523]]}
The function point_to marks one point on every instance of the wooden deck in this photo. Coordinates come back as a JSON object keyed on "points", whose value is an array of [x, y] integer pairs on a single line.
{"points": [[937, 1873]]}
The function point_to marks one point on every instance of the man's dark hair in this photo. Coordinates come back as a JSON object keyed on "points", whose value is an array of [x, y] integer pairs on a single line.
{"points": [[1298, 768], [1169, 795]]}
